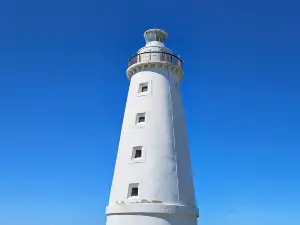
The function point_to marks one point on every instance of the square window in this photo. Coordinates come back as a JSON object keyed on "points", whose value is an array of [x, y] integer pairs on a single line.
{"points": [[140, 118], [143, 88], [137, 153], [133, 191]]}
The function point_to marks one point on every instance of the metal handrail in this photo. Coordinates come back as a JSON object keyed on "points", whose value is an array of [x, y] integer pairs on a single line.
{"points": [[155, 56]]}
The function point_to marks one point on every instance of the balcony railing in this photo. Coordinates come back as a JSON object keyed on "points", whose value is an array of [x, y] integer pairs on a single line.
{"points": [[155, 56]]}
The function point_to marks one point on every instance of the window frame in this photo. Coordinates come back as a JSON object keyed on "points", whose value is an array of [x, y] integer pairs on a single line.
{"points": [[143, 84], [138, 117], [130, 188], [131, 157]]}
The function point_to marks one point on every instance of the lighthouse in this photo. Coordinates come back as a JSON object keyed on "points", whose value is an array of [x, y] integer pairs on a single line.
{"points": [[152, 182]]}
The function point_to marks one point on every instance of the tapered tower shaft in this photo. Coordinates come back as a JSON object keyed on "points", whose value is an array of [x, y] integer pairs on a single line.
{"points": [[152, 182]]}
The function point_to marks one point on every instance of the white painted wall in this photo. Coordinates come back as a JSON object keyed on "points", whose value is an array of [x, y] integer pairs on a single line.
{"points": [[166, 190]]}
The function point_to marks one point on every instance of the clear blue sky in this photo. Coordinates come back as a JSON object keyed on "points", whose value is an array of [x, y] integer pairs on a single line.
{"points": [[63, 90]]}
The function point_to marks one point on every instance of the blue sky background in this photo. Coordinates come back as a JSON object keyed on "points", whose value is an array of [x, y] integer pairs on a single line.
{"points": [[63, 90]]}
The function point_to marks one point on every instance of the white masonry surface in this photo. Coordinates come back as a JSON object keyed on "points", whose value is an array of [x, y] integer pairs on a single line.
{"points": [[152, 182]]}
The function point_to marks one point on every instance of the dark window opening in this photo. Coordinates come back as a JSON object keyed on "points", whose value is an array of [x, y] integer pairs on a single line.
{"points": [[145, 88], [134, 191], [141, 119], [138, 153]]}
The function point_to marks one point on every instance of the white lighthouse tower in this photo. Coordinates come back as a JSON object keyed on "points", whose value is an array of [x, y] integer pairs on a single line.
{"points": [[153, 183]]}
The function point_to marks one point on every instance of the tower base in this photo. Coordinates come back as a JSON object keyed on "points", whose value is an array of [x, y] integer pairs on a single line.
{"points": [[150, 219], [151, 214]]}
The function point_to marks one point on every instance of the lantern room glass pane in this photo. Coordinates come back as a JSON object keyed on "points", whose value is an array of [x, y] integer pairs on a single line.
{"points": [[155, 36]]}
